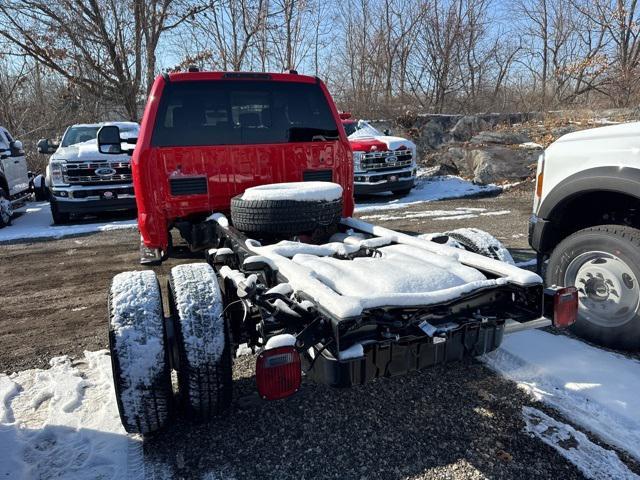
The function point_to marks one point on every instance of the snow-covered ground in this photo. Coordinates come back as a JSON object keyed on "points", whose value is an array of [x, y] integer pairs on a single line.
{"points": [[428, 189], [63, 421], [455, 214], [35, 222], [592, 460], [596, 389]]}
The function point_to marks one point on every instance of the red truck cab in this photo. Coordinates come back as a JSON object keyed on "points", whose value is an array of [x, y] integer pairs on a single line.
{"points": [[207, 136], [382, 163]]}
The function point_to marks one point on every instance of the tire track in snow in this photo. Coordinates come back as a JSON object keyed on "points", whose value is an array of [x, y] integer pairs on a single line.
{"points": [[592, 460]]}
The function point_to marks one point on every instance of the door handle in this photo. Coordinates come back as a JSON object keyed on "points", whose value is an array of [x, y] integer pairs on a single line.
{"points": [[16, 161]]}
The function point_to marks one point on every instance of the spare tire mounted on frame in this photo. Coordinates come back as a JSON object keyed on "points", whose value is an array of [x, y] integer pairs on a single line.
{"points": [[287, 209]]}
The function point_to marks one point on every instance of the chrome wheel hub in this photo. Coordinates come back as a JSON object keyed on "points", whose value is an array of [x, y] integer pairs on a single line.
{"points": [[608, 291]]}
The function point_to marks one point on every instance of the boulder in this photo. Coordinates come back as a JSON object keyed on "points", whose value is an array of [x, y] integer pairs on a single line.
{"points": [[430, 136], [500, 137], [496, 164], [488, 164], [560, 131], [467, 127]]}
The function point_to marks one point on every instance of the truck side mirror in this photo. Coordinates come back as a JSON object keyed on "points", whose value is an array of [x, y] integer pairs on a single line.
{"points": [[16, 148], [109, 140], [387, 132], [43, 145]]}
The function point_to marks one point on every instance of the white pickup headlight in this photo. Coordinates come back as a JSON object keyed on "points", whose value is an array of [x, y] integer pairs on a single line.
{"points": [[55, 168], [357, 158]]}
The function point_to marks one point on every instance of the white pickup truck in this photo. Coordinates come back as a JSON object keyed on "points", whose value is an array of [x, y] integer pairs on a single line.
{"points": [[82, 180], [14, 177], [586, 221]]}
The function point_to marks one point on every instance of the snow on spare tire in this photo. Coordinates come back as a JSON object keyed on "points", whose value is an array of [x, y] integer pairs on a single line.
{"points": [[481, 242], [287, 208], [141, 373]]}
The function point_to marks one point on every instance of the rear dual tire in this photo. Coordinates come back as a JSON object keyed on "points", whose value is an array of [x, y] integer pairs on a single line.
{"points": [[143, 349], [139, 360], [203, 349]]}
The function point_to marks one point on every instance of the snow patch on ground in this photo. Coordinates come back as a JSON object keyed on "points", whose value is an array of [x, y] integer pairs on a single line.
{"points": [[527, 263], [297, 191], [459, 212], [591, 459], [531, 146], [63, 423], [593, 388], [428, 189], [36, 222]]}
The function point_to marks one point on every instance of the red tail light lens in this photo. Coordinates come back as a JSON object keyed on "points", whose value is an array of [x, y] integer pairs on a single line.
{"points": [[565, 307], [278, 373]]}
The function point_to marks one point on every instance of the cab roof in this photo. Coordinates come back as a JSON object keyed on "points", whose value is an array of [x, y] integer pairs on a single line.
{"points": [[275, 77]]}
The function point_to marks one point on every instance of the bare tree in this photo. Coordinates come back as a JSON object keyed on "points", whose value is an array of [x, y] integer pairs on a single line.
{"points": [[107, 47], [619, 19], [158, 17]]}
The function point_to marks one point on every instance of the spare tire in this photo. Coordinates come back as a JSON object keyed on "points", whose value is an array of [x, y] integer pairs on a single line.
{"points": [[481, 242], [287, 208]]}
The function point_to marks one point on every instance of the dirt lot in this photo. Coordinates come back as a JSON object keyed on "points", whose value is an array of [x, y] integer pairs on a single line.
{"points": [[55, 290], [458, 421]]}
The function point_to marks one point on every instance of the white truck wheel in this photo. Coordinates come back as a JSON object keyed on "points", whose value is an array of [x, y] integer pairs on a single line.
{"points": [[5, 209], [604, 264], [141, 373], [204, 353]]}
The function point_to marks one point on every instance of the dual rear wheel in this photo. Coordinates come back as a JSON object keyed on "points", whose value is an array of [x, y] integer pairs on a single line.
{"points": [[145, 347]]}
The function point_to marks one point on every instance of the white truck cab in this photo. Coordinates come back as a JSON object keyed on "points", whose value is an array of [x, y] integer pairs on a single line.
{"points": [[586, 221], [82, 180], [14, 177]]}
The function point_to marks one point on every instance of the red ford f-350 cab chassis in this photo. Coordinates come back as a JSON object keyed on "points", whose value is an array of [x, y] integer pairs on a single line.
{"points": [[255, 169]]}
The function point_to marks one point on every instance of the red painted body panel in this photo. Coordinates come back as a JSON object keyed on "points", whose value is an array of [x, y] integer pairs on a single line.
{"points": [[229, 169], [367, 145]]}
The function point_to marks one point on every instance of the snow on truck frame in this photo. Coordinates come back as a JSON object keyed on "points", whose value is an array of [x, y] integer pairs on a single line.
{"points": [[287, 271]]}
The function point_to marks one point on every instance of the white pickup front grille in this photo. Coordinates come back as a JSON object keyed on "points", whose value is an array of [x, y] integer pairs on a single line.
{"points": [[87, 173], [380, 160]]}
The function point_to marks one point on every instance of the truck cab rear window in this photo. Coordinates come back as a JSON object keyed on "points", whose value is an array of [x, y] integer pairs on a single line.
{"points": [[235, 113]]}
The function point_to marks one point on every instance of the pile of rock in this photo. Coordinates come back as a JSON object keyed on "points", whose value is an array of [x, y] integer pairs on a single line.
{"points": [[486, 148], [494, 147]]}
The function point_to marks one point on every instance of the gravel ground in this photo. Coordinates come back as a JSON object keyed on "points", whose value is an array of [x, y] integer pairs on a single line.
{"points": [[458, 421]]}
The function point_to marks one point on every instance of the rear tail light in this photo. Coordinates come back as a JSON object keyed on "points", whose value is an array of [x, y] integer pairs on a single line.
{"points": [[565, 307], [278, 373]]}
